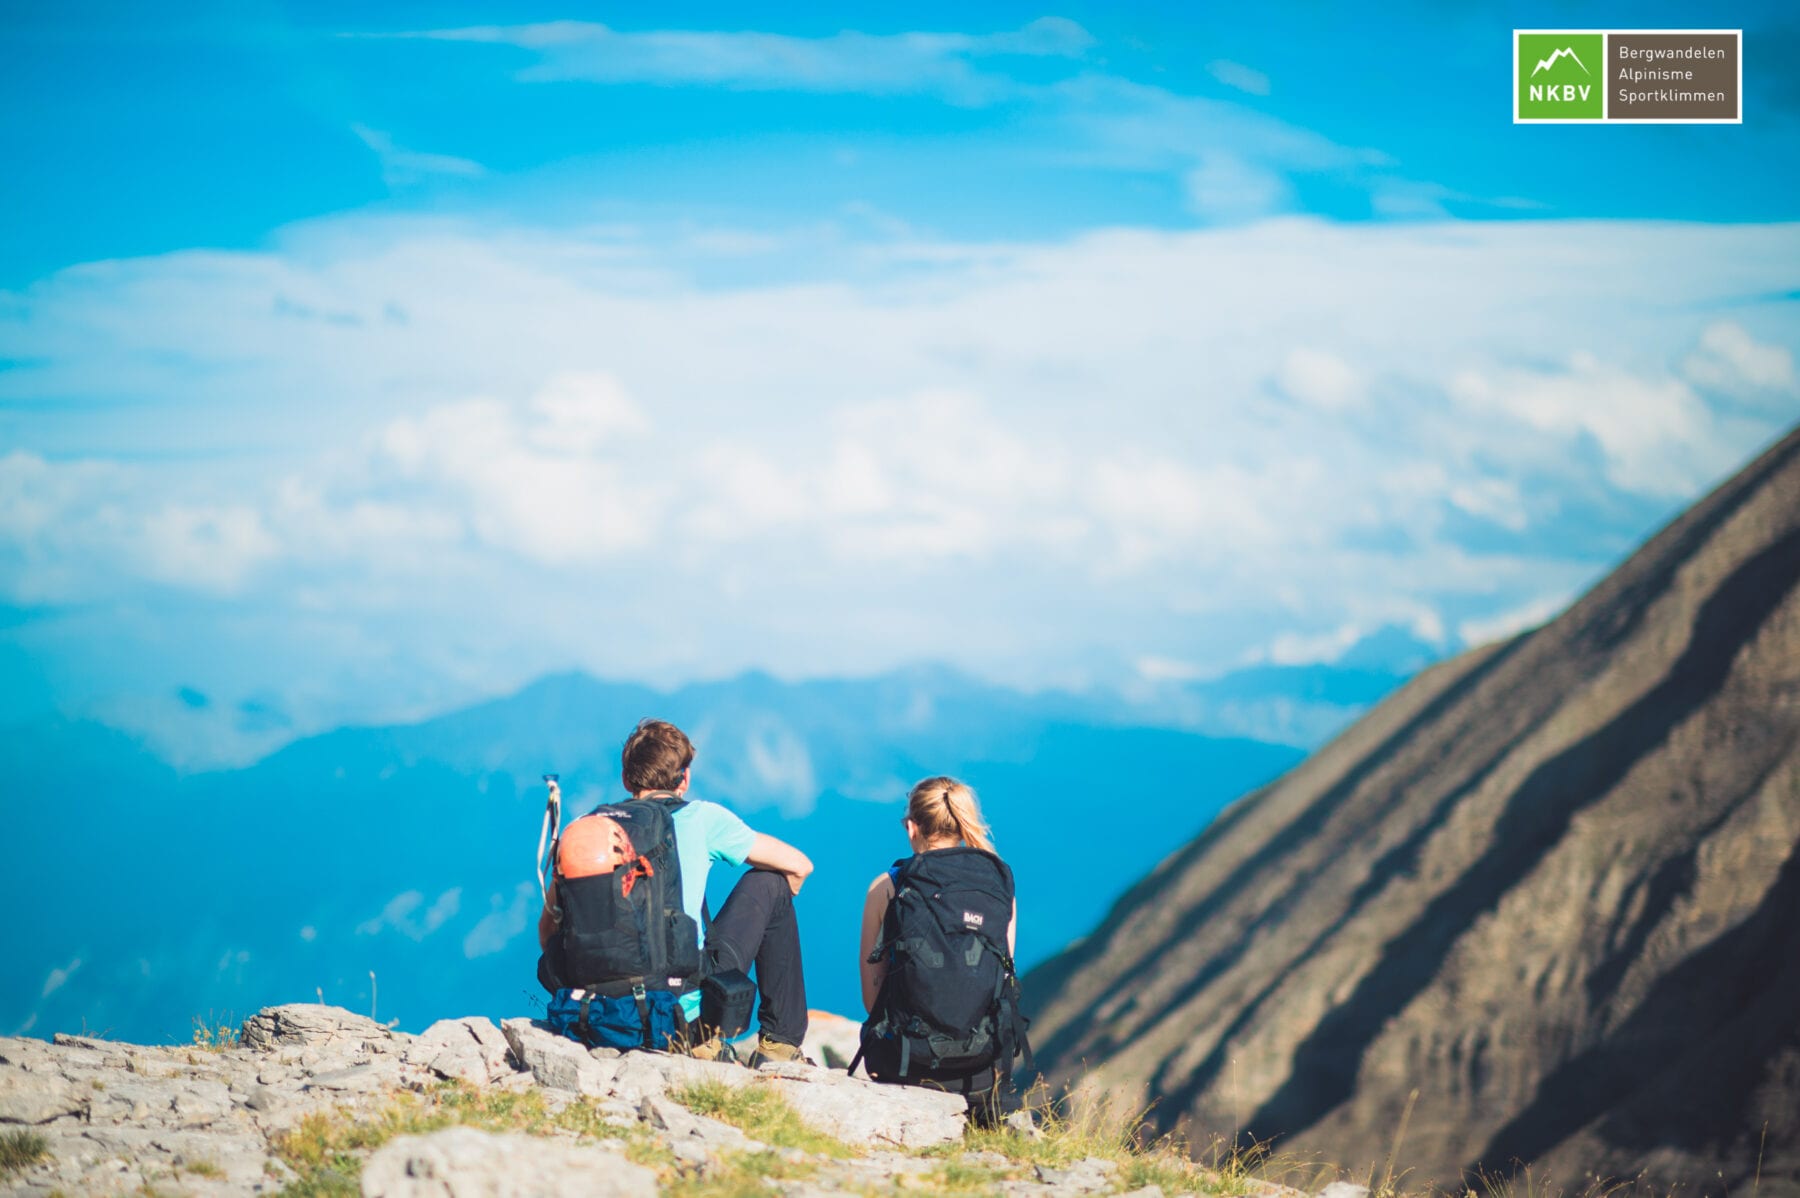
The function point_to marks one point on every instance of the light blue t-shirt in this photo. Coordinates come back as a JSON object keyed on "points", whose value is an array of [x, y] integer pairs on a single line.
{"points": [[704, 833]]}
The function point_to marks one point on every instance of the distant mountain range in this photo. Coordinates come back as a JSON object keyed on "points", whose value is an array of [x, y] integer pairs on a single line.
{"points": [[154, 896], [1540, 905]]}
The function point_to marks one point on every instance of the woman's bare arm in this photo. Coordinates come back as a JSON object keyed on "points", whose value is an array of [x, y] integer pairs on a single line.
{"points": [[881, 893]]}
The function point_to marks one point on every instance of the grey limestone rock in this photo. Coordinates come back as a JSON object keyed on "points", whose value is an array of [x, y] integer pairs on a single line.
{"points": [[363, 1078], [470, 1049], [37, 1098], [1344, 1189], [867, 1114], [642, 1074], [311, 1025], [461, 1162], [1023, 1124], [557, 1062], [694, 1139], [1087, 1176]]}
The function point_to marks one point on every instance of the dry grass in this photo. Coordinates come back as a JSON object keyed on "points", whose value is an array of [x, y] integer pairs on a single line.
{"points": [[20, 1150], [215, 1034], [1119, 1132]]}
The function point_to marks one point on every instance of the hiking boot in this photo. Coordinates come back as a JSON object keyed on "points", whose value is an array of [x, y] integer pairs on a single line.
{"points": [[714, 1048], [773, 1052]]}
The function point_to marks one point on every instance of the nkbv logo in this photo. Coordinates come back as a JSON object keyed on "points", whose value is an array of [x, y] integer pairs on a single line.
{"points": [[1559, 76], [1644, 76]]}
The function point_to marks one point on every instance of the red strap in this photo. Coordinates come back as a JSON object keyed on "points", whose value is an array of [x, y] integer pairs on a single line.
{"points": [[641, 868]]}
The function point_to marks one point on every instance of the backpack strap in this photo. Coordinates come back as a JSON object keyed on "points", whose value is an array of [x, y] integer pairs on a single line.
{"points": [[883, 947], [673, 802], [643, 1006]]}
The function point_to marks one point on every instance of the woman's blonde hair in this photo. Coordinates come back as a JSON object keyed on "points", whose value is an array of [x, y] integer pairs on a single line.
{"points": [[945, 807]]}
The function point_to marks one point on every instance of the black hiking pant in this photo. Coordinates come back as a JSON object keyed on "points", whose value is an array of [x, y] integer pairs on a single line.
{"points": [[758, 926]]}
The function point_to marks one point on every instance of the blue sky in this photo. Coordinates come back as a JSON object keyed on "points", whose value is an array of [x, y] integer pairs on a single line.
{"points": [[352, 369]]}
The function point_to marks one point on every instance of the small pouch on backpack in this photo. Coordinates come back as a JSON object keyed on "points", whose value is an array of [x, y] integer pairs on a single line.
{"points": [[726, 999]]}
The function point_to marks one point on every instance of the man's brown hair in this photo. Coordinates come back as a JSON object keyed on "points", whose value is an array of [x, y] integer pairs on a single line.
{"points": [[655, 756]]}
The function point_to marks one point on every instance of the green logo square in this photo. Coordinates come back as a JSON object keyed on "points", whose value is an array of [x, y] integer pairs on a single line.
{"points": [[1561, 76]]}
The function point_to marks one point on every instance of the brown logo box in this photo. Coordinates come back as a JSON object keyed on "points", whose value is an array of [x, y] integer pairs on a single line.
{"points": [[1673, 77]]}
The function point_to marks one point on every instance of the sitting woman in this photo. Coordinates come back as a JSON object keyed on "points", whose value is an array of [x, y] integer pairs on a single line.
{"points": [[937, 968]]}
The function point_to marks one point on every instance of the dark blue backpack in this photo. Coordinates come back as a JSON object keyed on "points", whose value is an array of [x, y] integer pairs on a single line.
{"points": [[948, 1007], [624, 949]]}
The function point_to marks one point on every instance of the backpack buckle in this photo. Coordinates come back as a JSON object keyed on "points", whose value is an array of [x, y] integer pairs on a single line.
{"points": [[643, 1008]]}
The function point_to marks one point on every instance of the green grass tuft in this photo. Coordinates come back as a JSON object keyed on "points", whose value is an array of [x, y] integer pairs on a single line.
{"points": [[761, 1113], [326, 1149], [21, 1149], [738, 1174], [961, 1177]]}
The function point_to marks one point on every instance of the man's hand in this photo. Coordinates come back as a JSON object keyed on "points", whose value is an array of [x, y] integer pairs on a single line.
{"points": [[769, 853]]}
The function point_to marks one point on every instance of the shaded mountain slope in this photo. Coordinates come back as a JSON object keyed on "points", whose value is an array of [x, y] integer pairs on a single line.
{"points": [[1552, 886]]}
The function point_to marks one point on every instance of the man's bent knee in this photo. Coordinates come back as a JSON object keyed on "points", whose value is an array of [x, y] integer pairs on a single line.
{"points": [[766, 883]]}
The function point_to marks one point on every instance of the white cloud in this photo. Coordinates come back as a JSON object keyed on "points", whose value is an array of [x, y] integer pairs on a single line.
{"points": [[1321, 380], [213, 547], [505, 922], [1482, 630], [398, 915], [1657, 436], [878, 64], [401, 167], [397, 911], [74, 528], [1236, 74], [1730, 360], [1152, 668], [543, 480], [760, 761], [1301, 649], [1226, 188], [1018, 457], [1494, 499], [59, 977]]}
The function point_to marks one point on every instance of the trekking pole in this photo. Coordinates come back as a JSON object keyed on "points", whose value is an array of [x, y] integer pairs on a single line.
{"points": [[551, 829]]}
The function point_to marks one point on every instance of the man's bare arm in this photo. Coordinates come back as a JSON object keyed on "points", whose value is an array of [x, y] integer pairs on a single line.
{"points": [[766, 852]]}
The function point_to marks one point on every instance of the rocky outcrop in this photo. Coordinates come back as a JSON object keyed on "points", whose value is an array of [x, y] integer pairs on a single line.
{"points": [[1542, 904], [123, 1118], [462, 1162]]}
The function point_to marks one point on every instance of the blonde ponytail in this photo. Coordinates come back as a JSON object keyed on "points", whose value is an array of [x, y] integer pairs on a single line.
{"points": [[944, 808]]}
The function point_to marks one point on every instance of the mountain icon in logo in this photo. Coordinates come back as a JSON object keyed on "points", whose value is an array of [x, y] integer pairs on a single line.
{"points": [[1554, 90], [1545, 64]]}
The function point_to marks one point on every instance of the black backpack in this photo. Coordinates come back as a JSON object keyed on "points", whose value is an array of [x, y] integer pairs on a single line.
{"points": [[949, 1004], [625, 932]]}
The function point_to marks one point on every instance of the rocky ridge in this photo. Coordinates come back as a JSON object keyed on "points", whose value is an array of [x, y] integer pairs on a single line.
{"points": [[111, 1117], [1540, 906]]}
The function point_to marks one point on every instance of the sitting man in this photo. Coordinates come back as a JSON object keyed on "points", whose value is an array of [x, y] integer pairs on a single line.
{"points": [[593, 932]]}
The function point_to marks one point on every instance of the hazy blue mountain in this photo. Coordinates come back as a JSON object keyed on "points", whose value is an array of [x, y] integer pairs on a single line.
{"points": [[153, 897]]}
